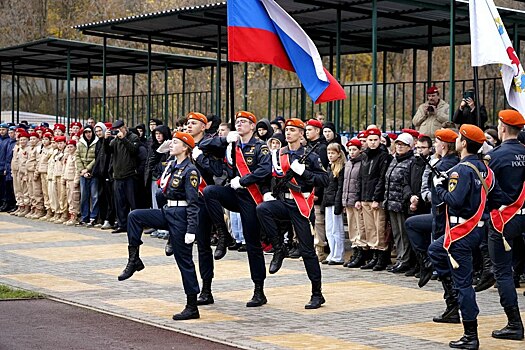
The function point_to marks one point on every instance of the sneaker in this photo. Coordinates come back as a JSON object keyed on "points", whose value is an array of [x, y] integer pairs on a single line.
{"points": [[242, 248], [81, 223], [91, 223], [106, 225], [99, 225], [155, 234]]}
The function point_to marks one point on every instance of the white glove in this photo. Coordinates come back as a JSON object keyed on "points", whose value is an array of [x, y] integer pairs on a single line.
{"points": [[229, 154], [165, 147], [438, 180], [297, 167], [189, 238], [233, 136], [267, 197], [196, 153], [235, 183]]}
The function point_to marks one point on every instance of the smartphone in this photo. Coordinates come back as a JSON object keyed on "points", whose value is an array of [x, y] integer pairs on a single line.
{"points": [[468, 94], [114, 132]]}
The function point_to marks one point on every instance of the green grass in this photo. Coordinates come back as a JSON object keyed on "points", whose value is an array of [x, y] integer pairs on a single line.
{"points": [[10, 293]]}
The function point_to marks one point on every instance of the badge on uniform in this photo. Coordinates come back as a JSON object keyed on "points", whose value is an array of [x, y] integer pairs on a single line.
{"points": [[249, 160], [175, 182], [453, 181], [194, 179], [265, 150]]}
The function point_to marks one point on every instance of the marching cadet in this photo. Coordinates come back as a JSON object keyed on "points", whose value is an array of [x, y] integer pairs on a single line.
{"points": [[295, 205], [58, 184], [22, 157], [72, 179], [179, 190], [45, 151], [508, 163], [251, 173], [35, 195], [469, 184]]}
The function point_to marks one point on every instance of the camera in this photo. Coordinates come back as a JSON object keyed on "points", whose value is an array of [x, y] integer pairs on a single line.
{"points": [[431, 109], [468, 94], [114, 132]]}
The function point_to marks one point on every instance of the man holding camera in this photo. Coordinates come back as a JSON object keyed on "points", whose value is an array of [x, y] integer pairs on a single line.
{"points": [[466, 113], [431, 114]]}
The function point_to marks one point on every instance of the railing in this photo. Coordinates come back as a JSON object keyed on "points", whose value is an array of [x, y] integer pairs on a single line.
{"points": [[396, 105]]}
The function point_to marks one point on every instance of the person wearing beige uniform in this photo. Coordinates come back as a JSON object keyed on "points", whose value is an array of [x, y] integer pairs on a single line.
{"points": [[33, 184], [45, 151], [72, 180], [58, 184], [22, 158]]}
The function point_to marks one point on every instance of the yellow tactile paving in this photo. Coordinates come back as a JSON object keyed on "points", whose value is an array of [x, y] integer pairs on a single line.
{"points": [[42, 237], [85, 253], [340, 296], [443, 333], [6, 226], [166, 309], [53, 283], [305, 341], [169, 274]]}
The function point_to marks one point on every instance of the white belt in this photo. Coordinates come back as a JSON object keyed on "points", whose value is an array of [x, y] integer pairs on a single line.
{"points": [[177, 203], [460, 220], [288, 195]]}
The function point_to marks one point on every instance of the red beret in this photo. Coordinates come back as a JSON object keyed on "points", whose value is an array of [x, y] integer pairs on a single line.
{"points": [[108, 125], [446, 135], [72, 142], [473, 133], [19, 130], [432, 90], [354, 142], [60, 139], [511, 117], [23, 134], [392, 135], [31, 134], [75, 124], [48, 135], [47, 130], [298, 123], [198, 116], [185, 137], [59, 126], [247, 115], [314, 122], [412, 132], [362, 135], [39, 128], [373, 131]]}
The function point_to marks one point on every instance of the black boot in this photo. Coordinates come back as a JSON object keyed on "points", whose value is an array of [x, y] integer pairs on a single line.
{"points": [[134, 264], [278, 255], [317, 299], [191, 311], [168, 249], [372, 262], [359, 260], [469, 340], [451, 313], [487, 279], [425, 269], [258, 298], [352, 258], [224, 240], [205, 298], [514, 328], [383, 261]]}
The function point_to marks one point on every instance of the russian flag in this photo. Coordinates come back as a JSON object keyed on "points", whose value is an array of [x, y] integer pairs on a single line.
{"points": [[260, 31]]}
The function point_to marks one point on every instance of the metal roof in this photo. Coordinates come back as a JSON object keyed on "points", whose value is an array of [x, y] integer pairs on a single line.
{"points": [[47, 58], [402, 24]]}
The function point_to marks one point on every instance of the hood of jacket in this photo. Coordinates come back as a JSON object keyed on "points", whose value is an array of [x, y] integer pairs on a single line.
{"points": [[265, 124]]}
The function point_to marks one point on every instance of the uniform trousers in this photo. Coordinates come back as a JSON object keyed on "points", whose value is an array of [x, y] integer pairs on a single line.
{"points": [[203, 238], [61, 195], [502, 260], [356, 227], [461, 250], [174, 220], [375, 226], [52, 192], [38, 192], [270, 212], [73, 197], [219, 197], [16, 186], [419, 232], [3, 196], [31, 188], [44, 184]]}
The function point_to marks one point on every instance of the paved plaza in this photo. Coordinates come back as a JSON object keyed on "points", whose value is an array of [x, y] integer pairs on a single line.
{"points": [[364, 310]]}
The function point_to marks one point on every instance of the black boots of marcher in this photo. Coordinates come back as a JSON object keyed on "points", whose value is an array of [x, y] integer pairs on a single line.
{"points": [[317, 299], [469, 340], [224, 240], [514, 328], [205, 298], [134, 264], [191, 311], [451, 313], [425, 269], [258, 298], [487, 279], [278, 255]]}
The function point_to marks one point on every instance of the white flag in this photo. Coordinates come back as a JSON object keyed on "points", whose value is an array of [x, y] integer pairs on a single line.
{"points": [[490, 44]]}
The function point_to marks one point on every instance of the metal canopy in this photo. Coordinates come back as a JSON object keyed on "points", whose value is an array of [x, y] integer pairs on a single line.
{"points": [[48, 58], [401, 24]]}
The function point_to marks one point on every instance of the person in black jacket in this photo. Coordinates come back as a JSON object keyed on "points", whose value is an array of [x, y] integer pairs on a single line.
{"points": [[101, 171], [124, 148], [412, 193], [466, 113], [371, 192]]}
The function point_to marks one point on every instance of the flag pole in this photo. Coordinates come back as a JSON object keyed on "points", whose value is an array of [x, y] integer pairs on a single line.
{"points": [[232, 114], [476, 97]]}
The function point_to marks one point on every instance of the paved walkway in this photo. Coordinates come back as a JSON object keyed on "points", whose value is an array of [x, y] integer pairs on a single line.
{"points": [[364, 310]]}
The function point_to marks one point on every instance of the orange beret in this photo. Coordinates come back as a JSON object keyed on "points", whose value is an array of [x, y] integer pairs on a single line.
{"points": [[298, 123], [373, 131], [446, 135], [473, 133], [198, 116], [511, 117], [247, 115], [314, 122], [185, 137]]}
